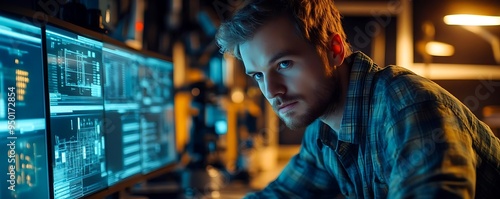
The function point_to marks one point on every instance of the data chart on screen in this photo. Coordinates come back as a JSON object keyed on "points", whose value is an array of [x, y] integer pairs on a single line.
{"points": [[75, 86], [24, 161], [122, 109], [157, 113]]}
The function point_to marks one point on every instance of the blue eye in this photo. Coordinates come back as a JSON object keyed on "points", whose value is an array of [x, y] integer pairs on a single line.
{"points": [[284, 64], [257, 76]]}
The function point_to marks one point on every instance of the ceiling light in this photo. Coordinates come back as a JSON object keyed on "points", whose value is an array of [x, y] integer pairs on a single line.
{"points": [[472, 20]]}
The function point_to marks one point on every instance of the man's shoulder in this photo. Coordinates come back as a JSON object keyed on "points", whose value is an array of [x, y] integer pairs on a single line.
{"points": [[391, 72], [402, 87]]}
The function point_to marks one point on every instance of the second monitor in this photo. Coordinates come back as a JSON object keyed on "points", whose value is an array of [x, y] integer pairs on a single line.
{"points": [[76, 113], [139, 117]]}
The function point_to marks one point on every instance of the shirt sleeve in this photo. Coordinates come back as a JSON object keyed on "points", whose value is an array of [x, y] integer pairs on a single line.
{"points": [[431, 153], [304, 176]]}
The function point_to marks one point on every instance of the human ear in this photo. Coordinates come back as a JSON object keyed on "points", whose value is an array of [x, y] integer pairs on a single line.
{"points": [[337, 49]]}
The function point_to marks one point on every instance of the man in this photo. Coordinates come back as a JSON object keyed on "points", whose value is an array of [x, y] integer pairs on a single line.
{"points": [[372, 132]]}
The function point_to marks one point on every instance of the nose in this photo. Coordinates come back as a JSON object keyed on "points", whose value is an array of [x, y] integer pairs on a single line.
{"points": [[273, 86]]}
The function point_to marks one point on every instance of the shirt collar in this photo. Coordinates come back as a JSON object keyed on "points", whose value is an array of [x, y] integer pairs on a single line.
{"points": [[356, 111]]}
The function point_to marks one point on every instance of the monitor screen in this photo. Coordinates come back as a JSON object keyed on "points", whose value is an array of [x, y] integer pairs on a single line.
{"points": [[157, 113], [76, 113], [122, 105], [22, 112], [216, 118]]}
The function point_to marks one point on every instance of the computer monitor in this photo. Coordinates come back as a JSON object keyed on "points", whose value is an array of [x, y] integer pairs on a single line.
{"points": [[157, 113], [122, 110], [74, 68], [23, 138], [216, 118]]}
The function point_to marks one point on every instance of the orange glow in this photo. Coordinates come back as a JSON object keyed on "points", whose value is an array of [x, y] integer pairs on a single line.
{"points": [[439, 49], [139, 26]]}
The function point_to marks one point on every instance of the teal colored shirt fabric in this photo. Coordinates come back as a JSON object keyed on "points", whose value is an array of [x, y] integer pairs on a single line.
{"points": [[402, 136]]}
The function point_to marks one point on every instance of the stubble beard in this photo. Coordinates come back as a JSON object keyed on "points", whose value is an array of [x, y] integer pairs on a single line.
{"points": [[326, 101]]}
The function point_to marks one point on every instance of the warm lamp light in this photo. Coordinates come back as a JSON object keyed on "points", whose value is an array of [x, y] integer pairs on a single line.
{"points": [[473, 24], [107, 17], [472, 20], [435, 48], [237, 96]]}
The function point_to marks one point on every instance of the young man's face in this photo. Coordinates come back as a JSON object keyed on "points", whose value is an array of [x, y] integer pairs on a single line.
{"points": [[290, 73]]}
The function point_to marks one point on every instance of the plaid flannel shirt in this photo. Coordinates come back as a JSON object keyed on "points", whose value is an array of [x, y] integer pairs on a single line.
{"points": [[401, 136]]}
